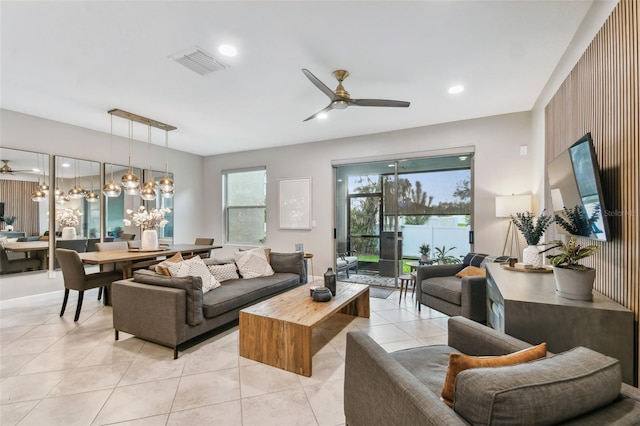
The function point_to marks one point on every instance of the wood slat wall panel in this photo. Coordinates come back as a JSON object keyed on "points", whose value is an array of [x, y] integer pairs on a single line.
{"points": [[601, 95], [16, 195]]}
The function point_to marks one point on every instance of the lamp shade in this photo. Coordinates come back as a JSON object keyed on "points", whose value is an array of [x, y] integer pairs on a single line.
{"points": [[506, 205]]}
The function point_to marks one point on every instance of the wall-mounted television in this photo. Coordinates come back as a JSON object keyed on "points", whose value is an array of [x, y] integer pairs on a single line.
{"points": [[576, 191]]}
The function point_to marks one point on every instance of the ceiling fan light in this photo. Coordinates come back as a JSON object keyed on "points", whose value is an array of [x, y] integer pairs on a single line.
{"points": [[129, 180], [339, 104], [166, 184], [111, 189], [38, 195], [92, 197]]}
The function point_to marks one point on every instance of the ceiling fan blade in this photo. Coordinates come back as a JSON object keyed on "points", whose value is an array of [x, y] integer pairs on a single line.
{"points": [[327, 109], [320, 85], [378, 103]]}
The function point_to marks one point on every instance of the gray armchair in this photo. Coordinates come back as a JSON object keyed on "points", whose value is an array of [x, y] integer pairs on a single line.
{"points": [[440, 289], [75, 278]]}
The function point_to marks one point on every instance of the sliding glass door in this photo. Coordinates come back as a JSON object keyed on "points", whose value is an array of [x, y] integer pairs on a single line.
{"points": [[386, 210]]}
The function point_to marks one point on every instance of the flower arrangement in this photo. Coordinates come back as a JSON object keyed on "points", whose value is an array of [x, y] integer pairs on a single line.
{"points": [[147, 219], [531, 229], [68, 217]]}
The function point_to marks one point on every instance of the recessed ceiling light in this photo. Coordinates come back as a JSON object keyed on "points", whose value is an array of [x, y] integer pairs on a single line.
{"points": [[227, 50], [66, 165], [321, 116], [35, 170], [454, 90]]}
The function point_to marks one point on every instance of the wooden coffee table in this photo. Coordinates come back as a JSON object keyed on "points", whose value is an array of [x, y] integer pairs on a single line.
{"points": [[277, 331]]}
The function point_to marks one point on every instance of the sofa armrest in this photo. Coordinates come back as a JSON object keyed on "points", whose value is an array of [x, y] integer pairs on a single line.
{"points": [[425, 272], [474, 298], [379, 391], [472, 338], [151, 312]]}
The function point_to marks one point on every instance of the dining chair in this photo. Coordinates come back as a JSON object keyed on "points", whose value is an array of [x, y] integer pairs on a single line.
{"points": [[78, 245], [204, 242], [76, 278], [127, 237]]}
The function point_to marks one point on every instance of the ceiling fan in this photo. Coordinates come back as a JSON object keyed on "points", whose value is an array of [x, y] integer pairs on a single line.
{"points": [[340, 98], [6, 169]]}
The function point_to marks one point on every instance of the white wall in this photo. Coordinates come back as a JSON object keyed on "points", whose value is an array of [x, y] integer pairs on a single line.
{"points": [[29, 133], [499, 170]]}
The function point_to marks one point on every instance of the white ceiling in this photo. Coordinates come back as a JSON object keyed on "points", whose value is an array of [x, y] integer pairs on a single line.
{"points": [[73, 61]]}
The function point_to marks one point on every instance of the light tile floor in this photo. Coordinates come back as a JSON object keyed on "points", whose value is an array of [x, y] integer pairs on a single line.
{"points": [[57, 372]]}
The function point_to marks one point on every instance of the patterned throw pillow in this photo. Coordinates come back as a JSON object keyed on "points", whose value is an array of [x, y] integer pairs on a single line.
{"points": [[162, 267], [224, 272], [194, 267], [253, 263]]}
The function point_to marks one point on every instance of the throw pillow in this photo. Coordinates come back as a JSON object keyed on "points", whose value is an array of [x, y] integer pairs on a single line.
{"points": [[224, 272], [194, 267], [162, 267], [253, 263], [459, 362], [472, 271], [267, 253]]}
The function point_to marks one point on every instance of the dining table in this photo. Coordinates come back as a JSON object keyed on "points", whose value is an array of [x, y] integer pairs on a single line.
{"points": [[128, 257], [30, 248]]}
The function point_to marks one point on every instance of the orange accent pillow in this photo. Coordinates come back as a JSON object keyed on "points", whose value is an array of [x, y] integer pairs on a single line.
{"points": [[472, 271], [162, 269], [460, 362]]}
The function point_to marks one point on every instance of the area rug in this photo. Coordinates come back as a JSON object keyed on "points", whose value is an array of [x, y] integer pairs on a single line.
{"points": [[379, 293]]}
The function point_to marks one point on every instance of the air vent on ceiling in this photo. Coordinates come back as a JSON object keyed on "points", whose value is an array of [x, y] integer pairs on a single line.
{"points": [[199, 61]]}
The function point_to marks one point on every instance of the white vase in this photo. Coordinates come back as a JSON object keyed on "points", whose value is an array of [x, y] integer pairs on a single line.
{"points": [[531, 255], [9, 227], [573, 284], [68, 233], [149, 239]]}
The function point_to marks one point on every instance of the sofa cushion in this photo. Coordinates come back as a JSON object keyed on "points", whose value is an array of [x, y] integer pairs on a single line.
{"points": [[461, 362], [445, 288], [546, 391], [473, 259], [427, 363], [253, 263], [472, 271], [191, 285], [289, 262], [234, 294]]}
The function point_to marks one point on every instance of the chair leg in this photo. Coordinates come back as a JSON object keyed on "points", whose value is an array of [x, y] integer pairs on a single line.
{"points": [[117, 335], [106, 295], [64, 301], [175, 352], [80, 297], [100, 293]]}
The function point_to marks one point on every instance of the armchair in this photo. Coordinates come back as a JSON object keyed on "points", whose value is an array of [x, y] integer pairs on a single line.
{"points": [[346, 261]]}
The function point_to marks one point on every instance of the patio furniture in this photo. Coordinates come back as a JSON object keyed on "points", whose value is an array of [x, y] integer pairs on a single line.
{"points": [[346, 261]]}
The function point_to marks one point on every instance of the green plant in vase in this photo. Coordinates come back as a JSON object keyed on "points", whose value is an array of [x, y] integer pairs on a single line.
{"points": [[443, 257], [425, 250], [573, 280], [532, 229]]}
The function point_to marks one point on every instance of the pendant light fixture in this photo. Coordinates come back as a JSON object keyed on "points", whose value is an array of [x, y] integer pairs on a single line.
{"points": [[41, 192], [111, 189], [61, 197], [91, 196], [129, 180], [77, 191], [148, 193], [166, 183]]}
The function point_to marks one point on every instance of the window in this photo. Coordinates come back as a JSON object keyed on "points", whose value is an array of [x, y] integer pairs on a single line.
{"points": [[245, 198]]}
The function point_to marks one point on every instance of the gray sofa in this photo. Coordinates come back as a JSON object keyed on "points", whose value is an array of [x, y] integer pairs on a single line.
{"points": [[173, 310], [578, 387], [439, 288]]}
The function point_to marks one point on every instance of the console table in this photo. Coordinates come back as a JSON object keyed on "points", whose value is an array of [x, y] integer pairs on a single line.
{"points": [[524, 305]]}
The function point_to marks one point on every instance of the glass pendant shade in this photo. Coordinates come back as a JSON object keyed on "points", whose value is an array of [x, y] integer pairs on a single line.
{"points": [[111, 189], [133, 190], [148, 193], [129, 180], [77, 192], [167, 194], [44, 188], [166, 184], [58, 193], [63, 199], [38, 195], [92, 197]]}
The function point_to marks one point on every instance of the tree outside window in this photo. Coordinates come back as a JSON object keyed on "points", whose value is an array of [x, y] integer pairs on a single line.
{"points": [[245, 194]]}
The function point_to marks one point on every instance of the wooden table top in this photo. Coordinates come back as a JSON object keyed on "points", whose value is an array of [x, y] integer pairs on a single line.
{"points": [[297, 306], [27, 246], [103, 257]]}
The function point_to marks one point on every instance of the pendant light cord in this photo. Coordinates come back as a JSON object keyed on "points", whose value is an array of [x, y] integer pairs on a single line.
{"points": [[111, 149]]}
